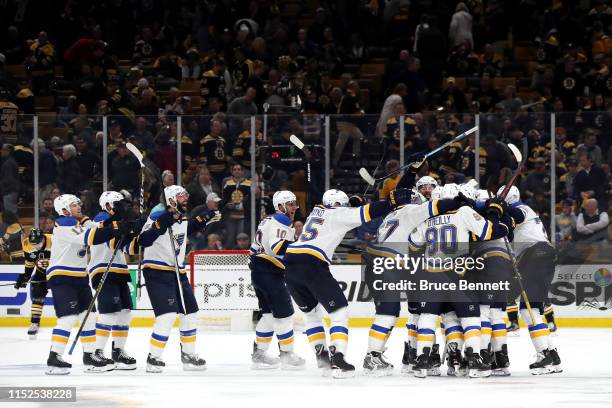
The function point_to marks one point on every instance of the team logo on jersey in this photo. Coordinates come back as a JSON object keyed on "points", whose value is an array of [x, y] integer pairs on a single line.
{"points": [[179, 239], [476, 216], [237, 196], [171, 301], [569, 83], [73, 304]]}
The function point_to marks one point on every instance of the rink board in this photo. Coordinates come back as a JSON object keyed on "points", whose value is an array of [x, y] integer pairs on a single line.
{"points": [[222, 293]]}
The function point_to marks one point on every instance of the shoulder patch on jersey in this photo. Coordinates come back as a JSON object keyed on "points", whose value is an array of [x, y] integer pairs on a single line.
{"points": [[282, 218], [476, 216], [64, 221], [102, 216]]}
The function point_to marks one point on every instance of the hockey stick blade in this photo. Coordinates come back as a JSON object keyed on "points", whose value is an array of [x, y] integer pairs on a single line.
{"points": [[135, 152], [516, 152], [366, 176], [296, 141]]}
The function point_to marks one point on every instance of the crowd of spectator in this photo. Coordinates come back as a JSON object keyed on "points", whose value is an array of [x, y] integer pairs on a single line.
{"points": [[139, 65]]}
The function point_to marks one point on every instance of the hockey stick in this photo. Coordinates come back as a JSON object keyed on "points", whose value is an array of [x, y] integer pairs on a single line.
{"points": [[13, 284], [95, 296], [373, 180], [368, 185], [300, 145], [176, 263], [139, 157], [520, 159]]}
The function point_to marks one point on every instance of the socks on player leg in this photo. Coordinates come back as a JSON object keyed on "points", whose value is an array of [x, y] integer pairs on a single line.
{"points": [[264, 331], [313, 327], [104, 326], [88, 335], [426, 331], [485, 327], [452, 329], [498, 326], [549, 314], [380, 332], [121, 328], [36, 312], [411, 325], [338, 331], [284, 333], [61, 333], [538, 330], [471, 332], [512, 311], [187, 327], [161, 332]]}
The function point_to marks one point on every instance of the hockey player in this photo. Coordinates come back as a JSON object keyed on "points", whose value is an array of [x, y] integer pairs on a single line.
{"points": [[536, 263], [163, 254], [310, 282], [273, 236], [69, 284], [394, 229], [425, 185], [443, 237], [37, 248], [114, 300]]}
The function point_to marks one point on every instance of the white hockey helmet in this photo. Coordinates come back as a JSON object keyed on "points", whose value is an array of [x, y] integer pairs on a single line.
{"points": [[63, 202], [110, 197], [425, 180], [171, 192], [283, 197], [333, 197], [470, 189], [450, 190], [513, 196]]}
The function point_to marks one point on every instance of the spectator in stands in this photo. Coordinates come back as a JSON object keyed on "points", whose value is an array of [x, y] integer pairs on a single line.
{"points": [[213, 151], [431, 49], [47, 170], [244, 105], [167, 178], [202, 207], [201, 187], [566, 221], [391, 182], [142, 137], [243, 242], [511, 102], [41, 63], [461, 26], [592, 224], [191, 67], [569, 83], [348, 127], [298, 225], [89, 163], [165, 150], [9, 179], [486, 95], [590, 146], [70, 179], [237, 211], [123, 171], [214, 242], [590, 182], [47, 206], [452, 98]]}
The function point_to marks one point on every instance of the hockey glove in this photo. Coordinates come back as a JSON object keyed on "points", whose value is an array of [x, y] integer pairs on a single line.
{"points": [[463, 200], [495, 207], [357, 200], [165, 220], [399, 197], [22, 280]]}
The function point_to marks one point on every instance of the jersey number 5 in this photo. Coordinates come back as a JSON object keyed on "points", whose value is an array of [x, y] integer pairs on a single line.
{"points": [[310, 231]]}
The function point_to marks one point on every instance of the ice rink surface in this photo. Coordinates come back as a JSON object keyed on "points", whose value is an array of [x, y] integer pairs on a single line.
{"points": [[229, 381]]}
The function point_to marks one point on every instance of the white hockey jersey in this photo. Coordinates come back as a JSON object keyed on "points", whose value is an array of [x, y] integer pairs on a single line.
{"points": [[530, 231], [325, 228], [397, 226], [271, 234], [447, 236], [69, 249], [101, 254], [161, 255]]}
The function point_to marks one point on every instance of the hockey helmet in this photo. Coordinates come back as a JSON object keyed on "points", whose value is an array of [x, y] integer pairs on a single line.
{"points": [[335, 198], [64, 201], [283, 197], [513, 196], [110, 197]]}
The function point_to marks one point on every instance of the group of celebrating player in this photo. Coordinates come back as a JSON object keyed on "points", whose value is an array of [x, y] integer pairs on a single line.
{"points": [[285, 268]]}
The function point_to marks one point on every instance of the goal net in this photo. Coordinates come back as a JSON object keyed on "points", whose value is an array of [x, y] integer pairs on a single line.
{"points": [[222, 286]]}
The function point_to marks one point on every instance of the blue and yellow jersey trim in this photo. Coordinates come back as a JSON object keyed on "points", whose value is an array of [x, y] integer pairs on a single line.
{"points": [[491, 253], [364, 213], [433, 208], [69, 271], [487, 231], [382, 251], [161, 266], [414, 246], [308, 250], [277, 246], [115, 268], [271, 259]]}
